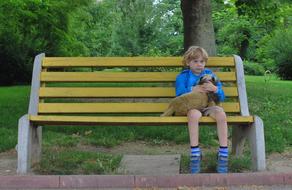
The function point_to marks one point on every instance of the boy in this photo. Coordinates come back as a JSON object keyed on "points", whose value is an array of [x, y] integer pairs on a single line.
{"points": [[195, 58]]}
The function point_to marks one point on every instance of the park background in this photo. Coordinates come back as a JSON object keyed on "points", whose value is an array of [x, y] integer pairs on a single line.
{"points": [[259, 31]]}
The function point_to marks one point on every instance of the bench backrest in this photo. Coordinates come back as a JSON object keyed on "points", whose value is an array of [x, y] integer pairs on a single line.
{"points": [[122, 85]]}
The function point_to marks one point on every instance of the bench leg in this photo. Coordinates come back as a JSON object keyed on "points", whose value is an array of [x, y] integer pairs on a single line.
{"points": [[256, 139], [255, 136], [29, 145]]}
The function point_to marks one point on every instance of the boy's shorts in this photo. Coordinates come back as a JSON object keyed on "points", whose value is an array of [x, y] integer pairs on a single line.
{"points": [[211, 111]]}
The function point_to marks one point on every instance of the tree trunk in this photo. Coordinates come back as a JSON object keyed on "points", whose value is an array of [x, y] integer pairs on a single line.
{"points": [[198, 25]]}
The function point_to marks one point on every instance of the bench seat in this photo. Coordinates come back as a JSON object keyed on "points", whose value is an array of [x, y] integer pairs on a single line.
{"points": [[107, 120]]}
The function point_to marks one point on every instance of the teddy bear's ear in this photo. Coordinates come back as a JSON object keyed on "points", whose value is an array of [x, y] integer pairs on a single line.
{"points": [[201, 78], [199, 82]]}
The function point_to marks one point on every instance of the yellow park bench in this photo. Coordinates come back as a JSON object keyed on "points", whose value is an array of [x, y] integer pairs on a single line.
{"points": [[124, 91]]}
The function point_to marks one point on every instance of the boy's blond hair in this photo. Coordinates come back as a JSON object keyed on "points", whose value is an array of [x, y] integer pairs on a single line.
{"points": [[193, 53]]}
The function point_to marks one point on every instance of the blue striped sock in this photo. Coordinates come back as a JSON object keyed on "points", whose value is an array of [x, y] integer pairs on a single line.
{"points": [[195, 162], [223, 151], [222, 162], [195, 151]]}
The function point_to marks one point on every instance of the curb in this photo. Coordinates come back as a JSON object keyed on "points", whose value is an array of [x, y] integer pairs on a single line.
{"points": [[140, 181]]}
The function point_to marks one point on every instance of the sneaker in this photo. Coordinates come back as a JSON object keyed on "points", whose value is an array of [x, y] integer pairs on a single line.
{"points": [[195, 164], [222, 164]]}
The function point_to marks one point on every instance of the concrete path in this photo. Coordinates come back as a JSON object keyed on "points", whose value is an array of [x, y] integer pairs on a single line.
{"points": [[150, 164], [238, 180]]}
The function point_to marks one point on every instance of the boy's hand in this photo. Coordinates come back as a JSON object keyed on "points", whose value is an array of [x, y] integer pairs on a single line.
{"points": [[209, 87], [199, 88]]}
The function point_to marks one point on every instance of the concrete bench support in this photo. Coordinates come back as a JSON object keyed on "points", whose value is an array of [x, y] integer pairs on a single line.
{"points": [[29, 145], [254, 133], [29, 136], [256, 139], [255, 136]]}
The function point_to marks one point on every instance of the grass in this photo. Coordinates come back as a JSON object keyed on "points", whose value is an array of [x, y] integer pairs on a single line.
{"points": [[58, 161], [13, 104], [269, 98]]}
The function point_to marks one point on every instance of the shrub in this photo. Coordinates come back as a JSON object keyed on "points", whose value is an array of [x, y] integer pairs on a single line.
{"points": [[30, 27], [279, 49], [235, 36], [251, 68]]}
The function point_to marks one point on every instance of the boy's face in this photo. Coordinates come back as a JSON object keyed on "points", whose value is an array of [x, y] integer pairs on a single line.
{"points": [[197, 65]]}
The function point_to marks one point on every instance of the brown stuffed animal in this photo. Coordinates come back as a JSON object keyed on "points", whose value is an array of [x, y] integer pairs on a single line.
{"points": [[194, 100]]}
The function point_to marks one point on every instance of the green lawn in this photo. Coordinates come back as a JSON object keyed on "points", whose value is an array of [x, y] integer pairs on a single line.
{"points": [[13, 104], [269, 98]]}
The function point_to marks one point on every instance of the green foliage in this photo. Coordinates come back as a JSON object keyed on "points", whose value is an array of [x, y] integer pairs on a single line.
{"points": [[29, 27], [92, 26], [251, 68], [265, 12], [232, 34], [60, 162], [13, 104], [247, 27], [8, 138], [271, 99], [128, 28], [134, 29], [146, 28], [262, 54], [280, 51], [240, 164]]}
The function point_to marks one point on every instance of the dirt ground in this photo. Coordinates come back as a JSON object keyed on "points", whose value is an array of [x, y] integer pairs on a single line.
{"points": [[276, 162]]}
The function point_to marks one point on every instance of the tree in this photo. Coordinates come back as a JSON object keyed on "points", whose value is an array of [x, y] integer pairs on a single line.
{"points": [[30, 27], [135, 29], [263, 12], [198, 25]]}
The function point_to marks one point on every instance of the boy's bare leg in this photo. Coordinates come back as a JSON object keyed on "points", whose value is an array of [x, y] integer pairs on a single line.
{"points": [[222, 156], [195, 152], [222, 129], [193, 126]]}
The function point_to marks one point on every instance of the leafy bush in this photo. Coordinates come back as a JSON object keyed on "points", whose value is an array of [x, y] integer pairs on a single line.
{"points": [[279, 50], [251, 68], [30, 27], [235, 36]]}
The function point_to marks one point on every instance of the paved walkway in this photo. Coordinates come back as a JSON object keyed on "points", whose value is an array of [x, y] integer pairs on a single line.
{"points": [[150, 178], [150, 164], [142, 181]]}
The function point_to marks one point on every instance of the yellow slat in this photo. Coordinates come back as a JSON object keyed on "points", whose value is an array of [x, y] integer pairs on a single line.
{"points": [[121, 76], [129, 61], [89, 92], [79, 120], [115, 107]]}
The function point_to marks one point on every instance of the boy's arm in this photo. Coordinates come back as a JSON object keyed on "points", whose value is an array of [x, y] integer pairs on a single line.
{"points": [[180, 87], [219, 92]]}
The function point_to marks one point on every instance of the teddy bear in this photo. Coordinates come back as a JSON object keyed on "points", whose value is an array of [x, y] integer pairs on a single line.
{"points": [[180, 105]]}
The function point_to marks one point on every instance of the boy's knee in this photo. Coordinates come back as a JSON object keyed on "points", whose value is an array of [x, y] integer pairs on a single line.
{"points": [[220, 116], [194, 114]]}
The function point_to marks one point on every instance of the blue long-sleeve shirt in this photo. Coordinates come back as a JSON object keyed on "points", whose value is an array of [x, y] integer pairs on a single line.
{"points": [[186, 80]]}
